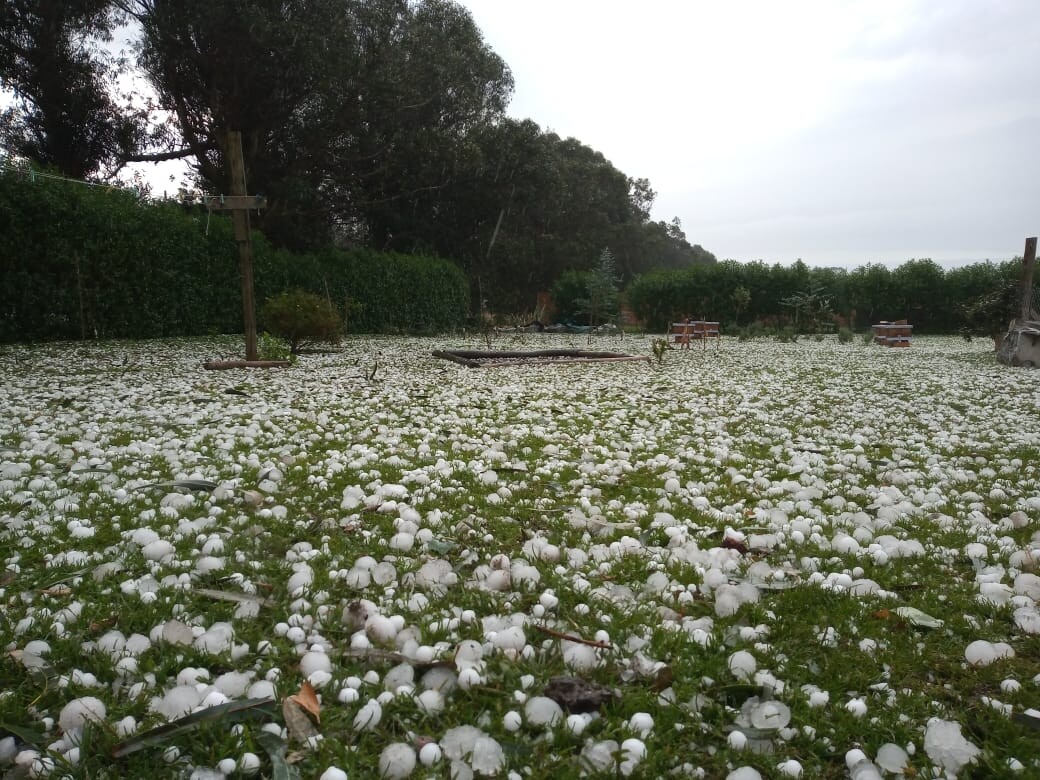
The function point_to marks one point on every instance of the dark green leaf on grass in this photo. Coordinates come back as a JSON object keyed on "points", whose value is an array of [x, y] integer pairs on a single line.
{"points": [[233, 596], [201, 485], [275, 748], [517, 751], [24, 733], [751, 732], [736, 695], [1027, 720], [90, 470], [441, 546], [231, 712]]}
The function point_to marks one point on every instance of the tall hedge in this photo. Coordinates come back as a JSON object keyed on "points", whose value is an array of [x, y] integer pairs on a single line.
{"points": [[79, 261]]}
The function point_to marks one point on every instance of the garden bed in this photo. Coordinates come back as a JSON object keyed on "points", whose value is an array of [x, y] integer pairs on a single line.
{"points": [[475, 358]]}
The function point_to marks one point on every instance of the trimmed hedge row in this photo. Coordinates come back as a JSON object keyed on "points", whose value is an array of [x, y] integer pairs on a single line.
{"points": [[92, 262], [933, 299]]}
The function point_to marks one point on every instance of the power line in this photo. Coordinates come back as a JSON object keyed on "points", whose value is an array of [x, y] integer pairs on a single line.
{"points": [[32, 174]]}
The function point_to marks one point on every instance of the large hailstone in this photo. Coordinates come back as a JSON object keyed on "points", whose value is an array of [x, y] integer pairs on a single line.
{"points": [[892, 758], [579, 657], [947, 747], [1027, 619], [542, 711], [368, 716], [459, 742], [599, 756], [487, 757], [397, 761], [742, 664], [78, 711], [983, 653]]}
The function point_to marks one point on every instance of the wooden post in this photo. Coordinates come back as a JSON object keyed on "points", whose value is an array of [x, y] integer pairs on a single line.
{"points": [[1026, 285], [240, 220]]}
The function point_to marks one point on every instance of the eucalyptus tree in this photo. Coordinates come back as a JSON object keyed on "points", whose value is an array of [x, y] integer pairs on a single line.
{"points": [[52, 60]]}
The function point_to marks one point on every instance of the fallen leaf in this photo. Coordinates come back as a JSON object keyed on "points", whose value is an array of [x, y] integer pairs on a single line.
{"points": [[918, 618], [881, 614], [299, 726], [275, 747], [729, 543], [201, 485], [233, 596], [664, 678], [575, 694], [230, 712], [308, 699]]}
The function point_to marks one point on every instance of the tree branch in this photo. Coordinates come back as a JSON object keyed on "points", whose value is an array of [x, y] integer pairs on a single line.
{"points": [[176, 154]]}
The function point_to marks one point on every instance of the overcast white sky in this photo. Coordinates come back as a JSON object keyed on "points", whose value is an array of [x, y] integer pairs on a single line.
{"points": [[838, 131]]}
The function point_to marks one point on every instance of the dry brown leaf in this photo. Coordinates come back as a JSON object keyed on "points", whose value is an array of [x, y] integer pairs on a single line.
{"points": [[299, 725], [882, 614], [663, 679], [58, 591], [308, 699]]}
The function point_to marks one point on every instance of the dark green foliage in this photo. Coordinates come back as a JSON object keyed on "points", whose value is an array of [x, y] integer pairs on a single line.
{"points": [[844, 335], [567, 294], [931, 299], [996, 301], [302, 318], [369, 102], [810, 308], [84, 262], [550, 204], [589, 296], [601, 301], [753, 331], [88, 262], [378, 292], [63, 116], [370, 123], [270, 347]]}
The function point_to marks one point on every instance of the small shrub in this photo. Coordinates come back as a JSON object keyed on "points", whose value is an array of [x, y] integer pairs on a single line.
{"points": [[659, 347], [817, 337], [753, 331], [301, 319], [568, 292], [787, 334], [844, 335], [270, 347], [868, 338]]}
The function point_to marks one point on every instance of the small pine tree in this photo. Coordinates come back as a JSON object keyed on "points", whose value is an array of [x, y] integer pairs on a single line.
{"points": [[603, 303]]}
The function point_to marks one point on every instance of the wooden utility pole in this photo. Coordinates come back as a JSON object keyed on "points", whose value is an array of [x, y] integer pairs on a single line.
{"points": [[238, 203], [1026, 285]]}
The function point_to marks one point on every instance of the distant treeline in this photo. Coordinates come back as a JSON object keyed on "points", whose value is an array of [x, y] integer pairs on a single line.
{"points": [[90, 262], [931, 298]]}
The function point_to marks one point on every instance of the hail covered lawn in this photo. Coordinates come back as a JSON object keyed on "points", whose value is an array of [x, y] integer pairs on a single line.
{"points": [[777, 560]]}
